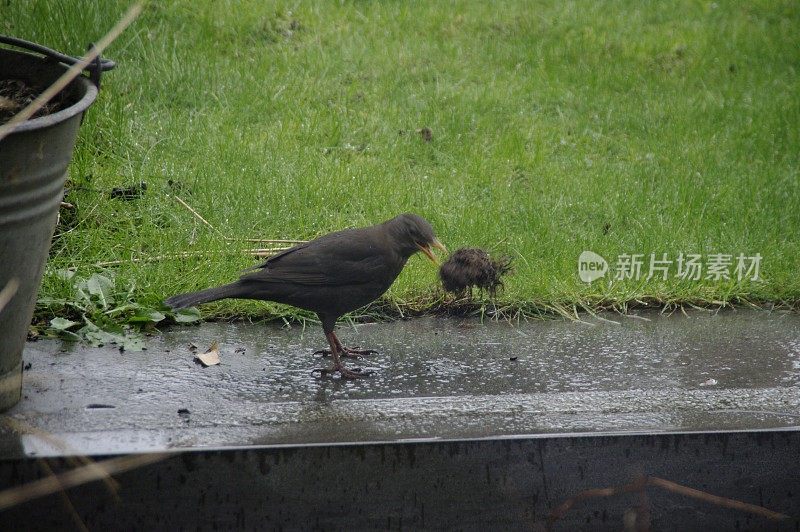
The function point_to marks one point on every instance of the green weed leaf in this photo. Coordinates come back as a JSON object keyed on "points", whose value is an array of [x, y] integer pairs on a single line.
{"points": [[65, 274], [187, 315], [101, 287], [61, 324], [146, 315], [94, 335], [98, 337]]}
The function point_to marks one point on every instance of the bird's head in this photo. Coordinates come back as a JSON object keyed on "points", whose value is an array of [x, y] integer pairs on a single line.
{"points": [[413, 233]]}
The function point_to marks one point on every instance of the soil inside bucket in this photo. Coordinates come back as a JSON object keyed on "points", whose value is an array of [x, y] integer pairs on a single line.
{"points": [[16, 94]]}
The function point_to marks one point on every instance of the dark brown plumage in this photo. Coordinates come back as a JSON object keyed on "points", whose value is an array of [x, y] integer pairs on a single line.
{"points": [[468, 267], [331, 275]]}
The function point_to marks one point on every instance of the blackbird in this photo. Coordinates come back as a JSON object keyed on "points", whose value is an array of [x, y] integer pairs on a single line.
{"points": [[331, 275]]}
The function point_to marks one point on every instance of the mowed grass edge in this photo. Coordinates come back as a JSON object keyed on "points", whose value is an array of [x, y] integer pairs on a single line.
{"points": [[623, 128]]}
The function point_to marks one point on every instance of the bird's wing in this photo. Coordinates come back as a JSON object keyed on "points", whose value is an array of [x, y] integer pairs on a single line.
{"points": [[275, 257], [349, 257]]}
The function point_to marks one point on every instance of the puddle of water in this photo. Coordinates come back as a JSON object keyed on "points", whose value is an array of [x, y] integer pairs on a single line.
{"points": [[434, 377]]}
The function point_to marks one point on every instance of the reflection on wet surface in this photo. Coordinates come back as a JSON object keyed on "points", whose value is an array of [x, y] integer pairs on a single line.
{"points": [[434, 378]]}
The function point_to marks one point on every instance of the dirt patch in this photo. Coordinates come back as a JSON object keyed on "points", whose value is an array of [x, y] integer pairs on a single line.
{"points": [[16, 94]]}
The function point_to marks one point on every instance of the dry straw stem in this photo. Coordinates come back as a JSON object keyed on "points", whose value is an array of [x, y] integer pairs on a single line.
{"points": [[715, 499], [281, 245], [230, 239], [76, 477], [261, 252], [72, 72], [640, 483], [78, 459], [76, 518]]}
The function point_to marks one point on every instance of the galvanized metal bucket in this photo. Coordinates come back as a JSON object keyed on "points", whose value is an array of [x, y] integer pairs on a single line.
{"points": [[33, 168]]}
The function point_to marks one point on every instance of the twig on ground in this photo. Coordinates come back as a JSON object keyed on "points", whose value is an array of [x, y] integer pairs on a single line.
{"points": [[231, 239], [261, 252], [268, 240], [642, 512], [562, 509], [715, 499], [266, 252], [640, 483], [199, 217]]}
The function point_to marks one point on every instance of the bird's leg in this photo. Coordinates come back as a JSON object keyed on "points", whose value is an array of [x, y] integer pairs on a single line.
{"points": [[351, 351], [345, 352], [338, 367]]}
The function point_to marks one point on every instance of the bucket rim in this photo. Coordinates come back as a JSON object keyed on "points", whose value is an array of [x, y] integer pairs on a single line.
{"points": [[89, 96]]}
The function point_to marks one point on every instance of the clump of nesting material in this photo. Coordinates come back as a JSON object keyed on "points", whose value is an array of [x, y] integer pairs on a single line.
{"points": [[473, 267]]}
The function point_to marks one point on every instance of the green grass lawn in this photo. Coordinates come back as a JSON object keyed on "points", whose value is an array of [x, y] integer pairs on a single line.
{"points": [[557, 127]]}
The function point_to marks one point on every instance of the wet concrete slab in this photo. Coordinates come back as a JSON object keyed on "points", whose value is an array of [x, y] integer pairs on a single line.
{"points": [[434, 379]]}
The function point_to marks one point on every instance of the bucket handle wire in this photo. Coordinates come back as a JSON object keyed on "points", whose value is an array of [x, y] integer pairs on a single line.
{"points": [[95, 68]]}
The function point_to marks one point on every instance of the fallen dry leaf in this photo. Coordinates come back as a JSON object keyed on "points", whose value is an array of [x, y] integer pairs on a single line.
{"points": [[210, 357]]}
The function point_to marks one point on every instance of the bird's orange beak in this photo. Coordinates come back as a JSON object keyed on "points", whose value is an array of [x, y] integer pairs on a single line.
{"points": [[427, 250]]}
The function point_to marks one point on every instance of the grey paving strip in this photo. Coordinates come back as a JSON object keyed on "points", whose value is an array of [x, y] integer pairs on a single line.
{"points": [[434, 379]]}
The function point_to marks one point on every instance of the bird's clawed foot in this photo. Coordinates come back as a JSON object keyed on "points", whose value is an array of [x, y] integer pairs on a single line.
{"points": [[347, 352], [338, 351], [343, 351], [345, 373]]}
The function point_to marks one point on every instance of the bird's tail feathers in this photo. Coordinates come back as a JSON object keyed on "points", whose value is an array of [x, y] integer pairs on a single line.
{"points": [[204, 296]]}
